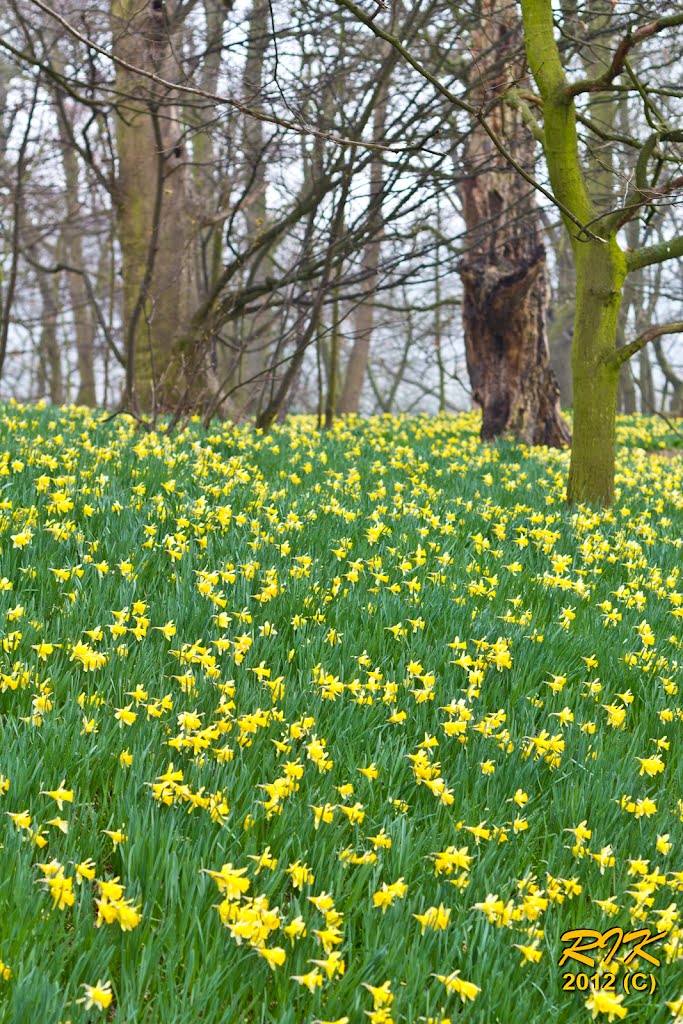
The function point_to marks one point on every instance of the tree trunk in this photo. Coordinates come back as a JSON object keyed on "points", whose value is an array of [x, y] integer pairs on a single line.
{"points": [[333, 365], [561, 315], [438, 322], [50, 375], [600, 275], [253, 348], [647, 389], [600, 267], [600, 178], [357, 365], [72, 232], [211, 186], [672, 378], [504, 273], [626, 390], [155, 212], [644, 313]]}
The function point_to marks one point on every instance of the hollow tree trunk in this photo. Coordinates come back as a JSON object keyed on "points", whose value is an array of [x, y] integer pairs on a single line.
{"points": [[155, 210], [505, 285]]}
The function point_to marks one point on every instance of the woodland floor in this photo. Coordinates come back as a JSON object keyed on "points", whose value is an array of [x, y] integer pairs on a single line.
{"points": [[339, 726]]}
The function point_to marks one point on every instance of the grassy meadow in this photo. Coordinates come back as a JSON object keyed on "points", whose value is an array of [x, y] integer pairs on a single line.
{"points": [[340, 727]]}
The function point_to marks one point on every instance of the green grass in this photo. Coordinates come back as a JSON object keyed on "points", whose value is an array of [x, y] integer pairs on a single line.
{"points": [[281, 536]]}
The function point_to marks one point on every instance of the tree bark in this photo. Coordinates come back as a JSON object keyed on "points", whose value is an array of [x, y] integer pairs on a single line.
{"points": [[72, 233], [561, 316], [644, 310], [253, 349], [601, 269], [504, 275], [155, 212], [608, 110], [600, 274], [672, 378], [626, 391], [50, 375]]}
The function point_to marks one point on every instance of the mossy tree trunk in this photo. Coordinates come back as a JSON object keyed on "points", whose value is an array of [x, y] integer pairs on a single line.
{"points": [[601, 265], [504, 273], [157, 233], [600, 273], [599, 281]]}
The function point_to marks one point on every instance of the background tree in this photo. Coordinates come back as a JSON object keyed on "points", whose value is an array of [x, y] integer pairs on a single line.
{"points": [[246, 292], [504, 270], [601, 263], [154, 205]]}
